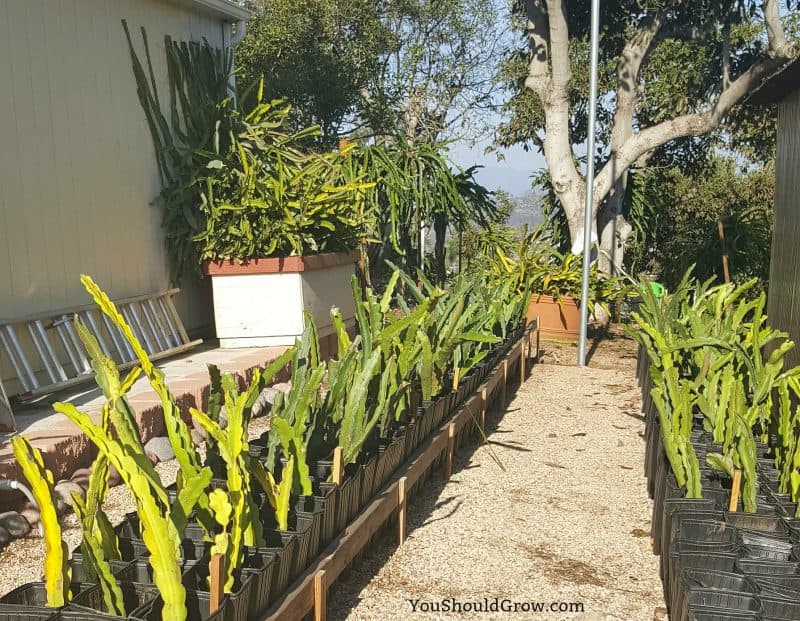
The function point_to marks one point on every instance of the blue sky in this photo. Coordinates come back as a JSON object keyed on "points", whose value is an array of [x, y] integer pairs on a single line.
{"points": [[513, 174]]}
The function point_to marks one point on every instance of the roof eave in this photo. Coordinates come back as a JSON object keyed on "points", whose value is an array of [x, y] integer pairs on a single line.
{"points": [[777, 86], [223, 9]]}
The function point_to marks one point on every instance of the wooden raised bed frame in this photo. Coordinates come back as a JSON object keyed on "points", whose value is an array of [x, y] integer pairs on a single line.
{"points": [[309, 591]]}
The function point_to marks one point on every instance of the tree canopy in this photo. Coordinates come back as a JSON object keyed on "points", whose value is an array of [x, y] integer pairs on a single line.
{"points": [[672, 78]]}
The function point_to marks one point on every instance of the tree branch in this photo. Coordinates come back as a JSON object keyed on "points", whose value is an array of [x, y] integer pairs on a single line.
{"points": [[538, 79], [696, 124], [559, 48], [778, 46]]}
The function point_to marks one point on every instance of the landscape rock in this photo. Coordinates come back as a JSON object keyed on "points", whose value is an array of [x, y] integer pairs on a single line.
{"points": [[152, 457], [198, 436], [65, 489], [265, 401], [284, 387], [81, 477], [161, 448], [114, 478], [5, 537], [15, 524], [31, 515]]}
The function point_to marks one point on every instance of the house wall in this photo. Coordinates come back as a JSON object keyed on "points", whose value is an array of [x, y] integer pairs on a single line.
{"points": [[783, 304], [77, 170]]}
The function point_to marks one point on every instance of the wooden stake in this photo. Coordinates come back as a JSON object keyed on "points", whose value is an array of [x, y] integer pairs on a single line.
{"points": [[721, 231], [451, 439], [484, 405], [456, 374], [320, 596], [401, 510], [337, 465], [217, 582], [522, 357], [505, 381], [737, 483]]}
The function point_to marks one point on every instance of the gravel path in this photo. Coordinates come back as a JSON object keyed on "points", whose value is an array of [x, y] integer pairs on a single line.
{"points": [[567, 522]]}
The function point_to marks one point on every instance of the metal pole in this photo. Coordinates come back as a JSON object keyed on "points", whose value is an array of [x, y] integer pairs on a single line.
{"points": [[587, 213]]}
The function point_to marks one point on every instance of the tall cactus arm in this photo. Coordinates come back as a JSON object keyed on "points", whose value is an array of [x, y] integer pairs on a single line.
{"points": [[177, 431], [97, 560], [426, 378], [158, 532], [187, 499], [57, 572]]}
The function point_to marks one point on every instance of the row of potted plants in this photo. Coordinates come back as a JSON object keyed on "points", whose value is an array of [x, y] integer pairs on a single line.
{"points": [[721, 459], [266, 506]]}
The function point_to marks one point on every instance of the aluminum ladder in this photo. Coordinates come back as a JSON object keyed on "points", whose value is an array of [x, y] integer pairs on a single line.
{"points": [[46, 354]]}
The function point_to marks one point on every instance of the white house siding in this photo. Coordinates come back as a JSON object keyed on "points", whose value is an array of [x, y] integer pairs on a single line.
{"points": [[77, 171]]}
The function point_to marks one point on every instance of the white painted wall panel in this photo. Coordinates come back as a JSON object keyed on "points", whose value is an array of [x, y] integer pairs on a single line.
{"points": [[77, 170]]}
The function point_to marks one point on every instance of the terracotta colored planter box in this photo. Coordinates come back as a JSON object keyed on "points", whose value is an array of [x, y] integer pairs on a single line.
{"points": [[555, 321], [260, 303]]}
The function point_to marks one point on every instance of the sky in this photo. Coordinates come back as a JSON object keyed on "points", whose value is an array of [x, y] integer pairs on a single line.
{"points": [[513, 174]]}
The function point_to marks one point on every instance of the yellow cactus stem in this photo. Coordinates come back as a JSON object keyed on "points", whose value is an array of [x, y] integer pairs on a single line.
{"points": [[57, 572]]}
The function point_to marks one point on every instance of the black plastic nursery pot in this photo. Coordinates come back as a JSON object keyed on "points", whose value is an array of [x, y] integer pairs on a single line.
{"points": [[761, 567], [306, 530], [327, 496], [369, 479], [235, 604], [412, 439], [310, 514], [709, 614], [137, 599], [718, 601], [347, 506], [390, 456], [662, 522], [11, 612], [32, 594], [259, 566], [141, 572], [679, 560], [198, 605], [697, 579], [283, 546], [779, 609], [778, 586], [80, 573], [758, 522], [133, 549]]}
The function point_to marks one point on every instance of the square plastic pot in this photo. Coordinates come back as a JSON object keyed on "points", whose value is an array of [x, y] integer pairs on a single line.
{"points": [[198, 605], [137, 599], [283, 546], [11, 612], [259, 565]]}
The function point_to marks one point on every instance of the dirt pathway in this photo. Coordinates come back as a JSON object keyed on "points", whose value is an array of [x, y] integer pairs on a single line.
{"points": [[567, 523]]}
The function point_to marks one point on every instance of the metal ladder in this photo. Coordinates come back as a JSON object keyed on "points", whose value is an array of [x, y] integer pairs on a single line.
{"points": [[47, 355]]}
